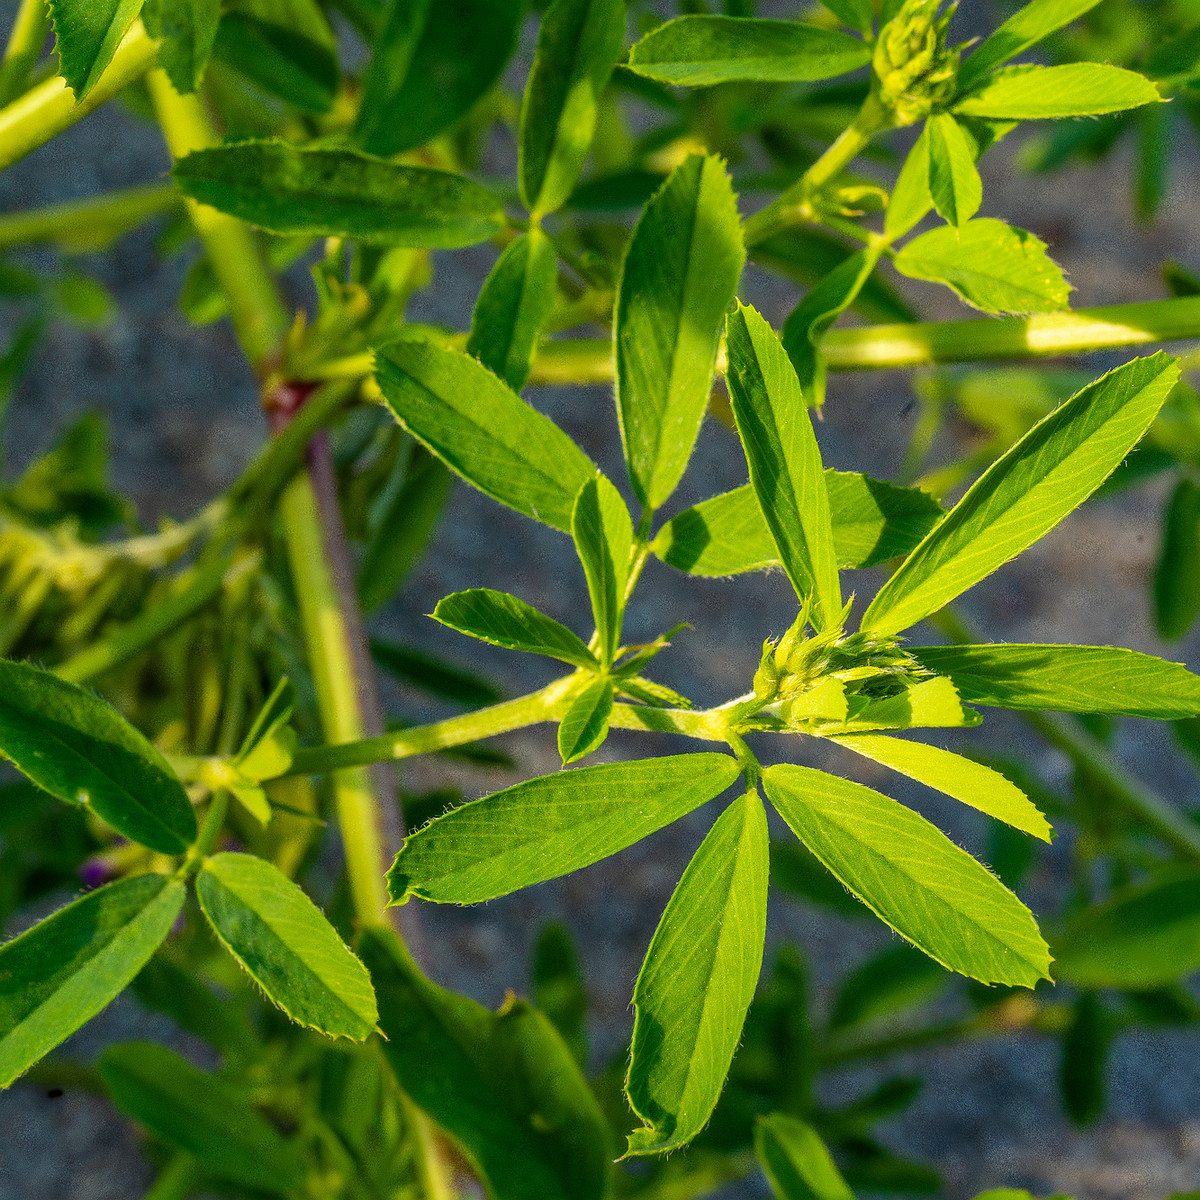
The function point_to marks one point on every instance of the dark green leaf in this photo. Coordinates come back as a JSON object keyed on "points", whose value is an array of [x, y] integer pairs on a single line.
{"points": [[188, 29], [483, 430], [680, 274], [287, 62], [1084, 1063], [558, 989], [1074, 90], [1177, 573], [433, 60], [697, 51], [323, 192], [785, 462], [954, 182], [60, 973], [1148, 935], [912, 876], [1084, 679], [585, 724], [1023, 29], [1026, 492], [1177, 56], [873, 521], [697, 981], [889, 982], [578, 43], [286, 945], [506, 1088], [550, 826], [504, 620], [203, 1115], [796, 1162], [514, 304], [421, 670], [990, 265], [80, 749], [86, 36], [603, 534], [795, 869]]}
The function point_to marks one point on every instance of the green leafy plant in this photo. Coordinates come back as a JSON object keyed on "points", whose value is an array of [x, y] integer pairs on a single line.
{"points": [[234, 727]]}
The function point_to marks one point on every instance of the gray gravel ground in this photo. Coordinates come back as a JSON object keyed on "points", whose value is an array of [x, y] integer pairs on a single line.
{"points": [[185, 420]]}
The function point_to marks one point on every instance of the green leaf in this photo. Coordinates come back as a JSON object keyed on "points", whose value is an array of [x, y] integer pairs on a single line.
{"points": [[1086, 1043], [697, 51], [514, 304], [504, 620], [697, 981], [1084, 679], [679, 276], [954, 182], [989, 265], [550, 826], [895, 979], [1075, 90], [801, 875], [911, 198], [1027, 491], [930, 703], [558, 989], [1022, 30], [785, 462], [970, 782], [858, 14], [506, 1087], [1177, 572], [60, 973], [299, 65], [421, 670], [188, 29], [325, 192], [1146, 936], [286, 945], [577, 45], [585, 724], [79, 748], [421, 83], [912, 876], [483, 430], [603, 533], [796, 1162], [86, 36], [873, 521], [208, 1117]]}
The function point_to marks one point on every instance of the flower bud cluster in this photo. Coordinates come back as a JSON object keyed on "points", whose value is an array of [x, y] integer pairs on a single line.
{"points": [[914, 71]]}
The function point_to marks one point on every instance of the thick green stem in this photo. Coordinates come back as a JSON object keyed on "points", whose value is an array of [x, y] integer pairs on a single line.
{"points": [[48, 109], [24, 46], [87, 224]]}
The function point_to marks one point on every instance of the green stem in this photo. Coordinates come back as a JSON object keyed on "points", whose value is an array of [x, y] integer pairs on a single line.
{"points": [[87, 224], [214, 821], [48, 109], [24, 47]]}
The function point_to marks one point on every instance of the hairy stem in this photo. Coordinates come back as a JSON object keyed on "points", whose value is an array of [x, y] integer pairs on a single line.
{"points": [[24, 46], [48, 109]]}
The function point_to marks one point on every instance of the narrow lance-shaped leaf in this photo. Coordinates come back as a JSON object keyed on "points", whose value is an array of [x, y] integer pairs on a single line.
{"points": [[577, 45], [603, 533], [326, 192], [785, 463], [1026, 492], [698, 51], [990, 265], [86, 36], [912, 876], [796, 1161], [679, 276], [483, 430], [507, 621], [188, 29], [1176, 589], [506, 1087], [1074, 90], [208, 1117], [1083, 679], [1023, 29], [514, 304], [286, 945], [550, 826], [585, 724], [954, 182], [392, 52], [559, 989], [911, 198], [697, 981], [873, 521], [79, 748], [60, 973], [971, 782]]}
